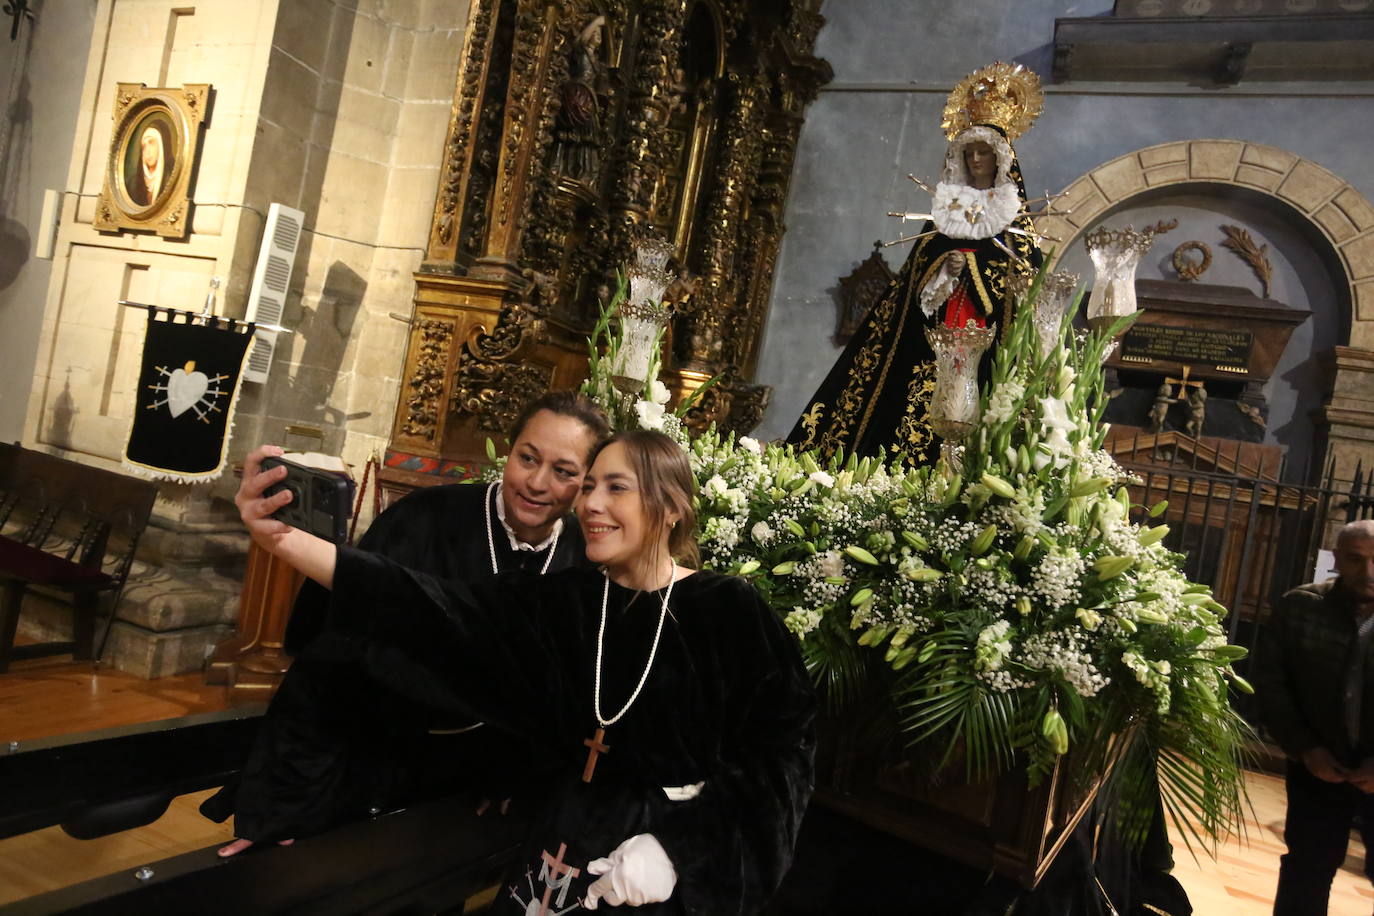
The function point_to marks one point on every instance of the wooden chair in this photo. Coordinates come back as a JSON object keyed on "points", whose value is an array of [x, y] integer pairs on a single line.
{"points": [[69, 528]]}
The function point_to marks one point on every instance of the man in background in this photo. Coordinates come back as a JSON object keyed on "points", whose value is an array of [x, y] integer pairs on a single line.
{"points": [[1315, 686]]}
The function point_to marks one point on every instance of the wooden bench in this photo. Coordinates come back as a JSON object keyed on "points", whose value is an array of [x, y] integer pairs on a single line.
{"points": [[428, 858], [70, 528]]}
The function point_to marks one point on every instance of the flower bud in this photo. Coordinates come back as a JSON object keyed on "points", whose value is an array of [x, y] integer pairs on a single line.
{"points": [[874, 635], [1148, 536], [1024, 547], [998, 486], [915, 540], [903, 658], [980, 544], [1090, 486], [1055, 732], [1110, 567], [863, 556], [923, 574]]}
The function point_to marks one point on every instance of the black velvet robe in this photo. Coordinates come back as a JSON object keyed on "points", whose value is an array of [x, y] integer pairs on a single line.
{"points": [[727, 701], [336, 744]]}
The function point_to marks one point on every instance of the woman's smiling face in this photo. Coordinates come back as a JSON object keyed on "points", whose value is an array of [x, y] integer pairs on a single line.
{"points": [[543, 473], [612, 514]]}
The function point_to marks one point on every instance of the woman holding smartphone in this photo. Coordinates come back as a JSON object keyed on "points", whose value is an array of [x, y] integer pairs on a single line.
{"points": [[668, 708]]}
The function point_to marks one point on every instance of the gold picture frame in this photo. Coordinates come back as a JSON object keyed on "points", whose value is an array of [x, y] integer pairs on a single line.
{"points": [[153, 153]]}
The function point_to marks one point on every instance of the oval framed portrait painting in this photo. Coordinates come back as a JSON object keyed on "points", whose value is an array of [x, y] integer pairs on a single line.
{"points": [[153, 150]]}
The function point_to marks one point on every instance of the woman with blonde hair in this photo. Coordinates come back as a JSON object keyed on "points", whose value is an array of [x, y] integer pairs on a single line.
{"points": [[669, 705]]}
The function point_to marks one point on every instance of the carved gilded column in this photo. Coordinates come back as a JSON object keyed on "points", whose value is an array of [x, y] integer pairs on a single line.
{"points": [[642, 148], [711, 312], [530, 106], [456, 169]]}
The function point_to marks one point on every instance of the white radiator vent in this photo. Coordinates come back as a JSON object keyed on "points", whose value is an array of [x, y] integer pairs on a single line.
{"points": [[271, 279]]}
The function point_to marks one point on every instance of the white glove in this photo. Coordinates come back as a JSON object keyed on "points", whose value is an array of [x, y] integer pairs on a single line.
{"points": [[636, 873]]}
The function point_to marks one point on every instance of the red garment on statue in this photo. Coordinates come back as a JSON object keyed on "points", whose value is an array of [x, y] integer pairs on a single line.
{"points": [[960, 308]]}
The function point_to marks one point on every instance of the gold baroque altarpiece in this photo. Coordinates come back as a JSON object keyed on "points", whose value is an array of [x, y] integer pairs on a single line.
{"points": [[577, 128]]}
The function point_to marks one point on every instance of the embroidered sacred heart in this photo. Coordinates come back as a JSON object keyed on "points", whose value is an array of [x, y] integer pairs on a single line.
{"points": [[184, 388]]}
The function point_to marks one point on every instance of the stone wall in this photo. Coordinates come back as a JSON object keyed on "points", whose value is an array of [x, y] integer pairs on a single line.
{"points": [[39, 77], [335, 107]]}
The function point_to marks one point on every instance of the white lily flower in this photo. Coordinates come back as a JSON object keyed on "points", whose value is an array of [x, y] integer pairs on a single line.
{"points": [[658, 392], [1056, 414], [650, 414]]}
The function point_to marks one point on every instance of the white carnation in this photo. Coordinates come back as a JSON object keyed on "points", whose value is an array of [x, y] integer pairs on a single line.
{"points": [[822, 478]]}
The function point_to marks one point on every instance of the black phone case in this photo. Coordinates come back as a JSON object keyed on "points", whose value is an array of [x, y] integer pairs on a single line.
{"points": [[322, 501]]}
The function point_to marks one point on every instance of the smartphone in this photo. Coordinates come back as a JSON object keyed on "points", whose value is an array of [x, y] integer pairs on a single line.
{"points": [[321, 501]]}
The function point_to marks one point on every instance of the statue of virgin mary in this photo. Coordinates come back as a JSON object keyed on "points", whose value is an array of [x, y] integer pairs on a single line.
{"points": [[978, 233]]}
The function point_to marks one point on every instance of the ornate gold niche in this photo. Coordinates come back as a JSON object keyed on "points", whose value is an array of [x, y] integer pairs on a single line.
{"points": [[579, 126]]}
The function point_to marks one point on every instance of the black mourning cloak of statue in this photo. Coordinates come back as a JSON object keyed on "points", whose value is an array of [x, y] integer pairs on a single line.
{"points": [[877, 395]]}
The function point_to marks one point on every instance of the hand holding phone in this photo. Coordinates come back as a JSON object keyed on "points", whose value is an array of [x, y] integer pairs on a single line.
{"points": [[321, 501]]}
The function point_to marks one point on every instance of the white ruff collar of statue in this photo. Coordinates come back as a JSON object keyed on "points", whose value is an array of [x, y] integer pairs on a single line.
{"points": [[961, 212]]}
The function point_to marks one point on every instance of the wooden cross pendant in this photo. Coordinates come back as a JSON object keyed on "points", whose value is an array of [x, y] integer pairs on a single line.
{"points": [[595, 747]]}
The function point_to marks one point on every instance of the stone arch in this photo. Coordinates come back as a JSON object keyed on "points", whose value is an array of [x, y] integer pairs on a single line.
{"points": [[1336, 211]]}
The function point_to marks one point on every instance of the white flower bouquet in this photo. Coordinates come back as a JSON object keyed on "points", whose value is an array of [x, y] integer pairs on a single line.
{"points": [[1004, 613]]}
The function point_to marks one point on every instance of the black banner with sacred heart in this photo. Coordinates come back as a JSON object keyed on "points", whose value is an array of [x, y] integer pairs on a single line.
{"points": [[184, 403]]}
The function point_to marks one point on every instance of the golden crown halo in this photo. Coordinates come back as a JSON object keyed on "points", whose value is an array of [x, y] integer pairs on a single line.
{"points": [[1001, 94]]}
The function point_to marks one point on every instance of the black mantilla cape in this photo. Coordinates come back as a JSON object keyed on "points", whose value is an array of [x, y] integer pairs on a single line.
{"points": [[727, 703], [877, 395], [336, 745]]}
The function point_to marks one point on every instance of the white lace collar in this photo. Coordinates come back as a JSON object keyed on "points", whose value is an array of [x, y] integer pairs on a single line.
{"points": [[962, 212], [515, 542]]}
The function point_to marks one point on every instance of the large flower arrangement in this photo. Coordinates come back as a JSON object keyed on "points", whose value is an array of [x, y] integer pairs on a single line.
{"points": [[1003, 612]]}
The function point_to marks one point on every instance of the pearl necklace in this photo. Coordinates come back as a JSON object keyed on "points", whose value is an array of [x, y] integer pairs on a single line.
{"points": [[653, 650], [491, 544]]}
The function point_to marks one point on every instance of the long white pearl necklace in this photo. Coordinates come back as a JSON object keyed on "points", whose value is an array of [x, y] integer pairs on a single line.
{"points": [[653, 650], [491, 543]]}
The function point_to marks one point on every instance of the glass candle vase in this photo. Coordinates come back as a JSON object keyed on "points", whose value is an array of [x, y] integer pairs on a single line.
{"points": [[1115, 254], [954, 402]]}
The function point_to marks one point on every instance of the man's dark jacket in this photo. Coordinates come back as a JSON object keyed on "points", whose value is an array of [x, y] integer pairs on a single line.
{"points": [[1299, 671]]}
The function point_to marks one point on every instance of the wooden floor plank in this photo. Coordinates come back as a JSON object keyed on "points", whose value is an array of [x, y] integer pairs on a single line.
{"points": [[45, 697]]}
